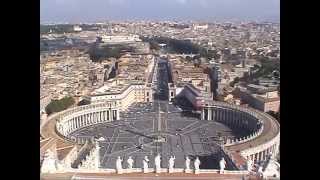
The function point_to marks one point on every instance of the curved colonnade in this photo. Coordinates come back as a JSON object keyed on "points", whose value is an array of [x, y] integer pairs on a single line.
{"points": [[83, 116], [264, 139]]}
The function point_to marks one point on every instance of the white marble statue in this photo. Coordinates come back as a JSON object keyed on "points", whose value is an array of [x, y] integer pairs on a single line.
{"points": [[130, 164], [260, 171], [187, 165], [171, 164], [222, 165], [272, 169], [157, 162], [197, 165], [49, 164], [119, 165], [97, 155], [249, 164], [145, 162]]}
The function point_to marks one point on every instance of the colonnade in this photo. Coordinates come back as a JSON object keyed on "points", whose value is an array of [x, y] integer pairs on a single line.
{"points": [[264, 154], [248, 118], [94, 115], [231, 117]]}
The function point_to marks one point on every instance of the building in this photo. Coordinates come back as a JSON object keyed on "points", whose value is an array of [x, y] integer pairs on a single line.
{"points": [[200, 27], [260, 97], [77, 28], [123, 94], [120, 39]]}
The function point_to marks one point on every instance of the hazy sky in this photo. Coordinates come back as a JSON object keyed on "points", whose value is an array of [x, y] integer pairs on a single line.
{"points": [[98, 10]]}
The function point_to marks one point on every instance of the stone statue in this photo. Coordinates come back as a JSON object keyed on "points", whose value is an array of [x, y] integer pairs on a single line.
{"points": [[171, 164], [97, 154], [187, 164], [157, 162], [145, 162], [49, 164], [130, 162], [197, 166], [119, 165], [222, 164], [260, 171], [249, 164]]}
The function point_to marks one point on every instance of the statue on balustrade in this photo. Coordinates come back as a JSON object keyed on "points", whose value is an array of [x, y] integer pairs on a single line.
{"points": [[49, 164], [222, 164], [130, 163], [187, 164], [249, 164], [157, 162], [145, 164], [197, 166], [260, 171], [119, 165], [171, 164]]}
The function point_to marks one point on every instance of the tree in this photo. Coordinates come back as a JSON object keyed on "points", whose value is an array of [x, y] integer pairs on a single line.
{"points": [[154, 45], [59, 105], [98, 54], [236, 80]]}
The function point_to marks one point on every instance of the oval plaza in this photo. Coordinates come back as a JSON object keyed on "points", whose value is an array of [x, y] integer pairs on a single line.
{"points": [[136, 121]]}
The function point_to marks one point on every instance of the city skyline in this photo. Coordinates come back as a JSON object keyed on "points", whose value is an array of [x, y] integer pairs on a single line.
{"points": [[80, 11]]}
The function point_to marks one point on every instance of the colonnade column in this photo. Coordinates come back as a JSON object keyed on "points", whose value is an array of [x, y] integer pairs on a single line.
{"points": [[111, 115], [256, 157], [264, 155], [118, 114], [227, 117], [87, 119], [209, 114], [213, 114], [217, 113], [98, 117], [92, 118], [268, 151], [224, 115], [260, 156], [274, 151], [202, 114], [68, 126], [95, 117], [72, 124]]}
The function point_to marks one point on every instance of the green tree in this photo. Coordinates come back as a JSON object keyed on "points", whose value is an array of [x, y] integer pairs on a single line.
{"points": [[59, 105], [236, 80]]}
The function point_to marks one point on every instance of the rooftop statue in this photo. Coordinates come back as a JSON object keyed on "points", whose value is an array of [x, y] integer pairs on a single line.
{"points": [[145, 162]]}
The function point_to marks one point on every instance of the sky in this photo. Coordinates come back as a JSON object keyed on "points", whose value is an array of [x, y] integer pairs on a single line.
{"points": [[76, 11]]}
